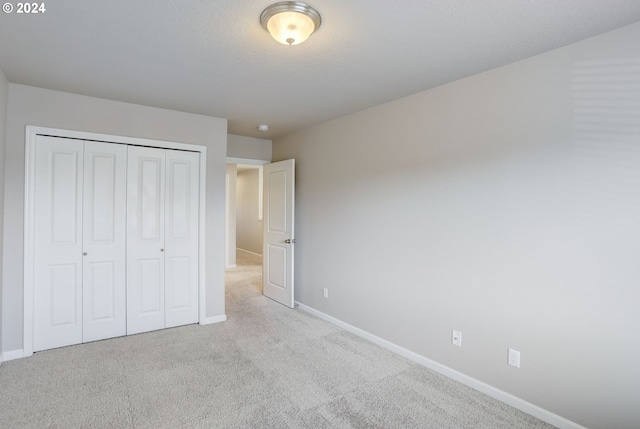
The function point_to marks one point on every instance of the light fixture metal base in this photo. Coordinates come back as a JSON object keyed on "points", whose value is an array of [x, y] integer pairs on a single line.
{"points": [[290, 6]]}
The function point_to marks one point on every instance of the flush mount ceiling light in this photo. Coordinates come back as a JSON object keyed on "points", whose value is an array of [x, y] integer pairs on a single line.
{"points": [[290, 22]]}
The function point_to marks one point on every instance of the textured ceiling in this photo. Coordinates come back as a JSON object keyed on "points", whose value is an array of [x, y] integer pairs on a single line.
{"points": [[212, 56]]}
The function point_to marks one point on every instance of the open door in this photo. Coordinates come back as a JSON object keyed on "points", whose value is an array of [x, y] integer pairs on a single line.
{"points": [[278, 239]]}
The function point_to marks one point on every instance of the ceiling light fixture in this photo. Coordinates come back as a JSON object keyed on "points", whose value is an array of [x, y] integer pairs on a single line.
{"points": [[263, 127], [290, 22]]}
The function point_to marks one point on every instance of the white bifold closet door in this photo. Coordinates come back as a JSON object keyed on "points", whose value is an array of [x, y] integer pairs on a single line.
{"points": [[162, 238], [104, 241], [116, 247], [181, 231], [79, 248]]}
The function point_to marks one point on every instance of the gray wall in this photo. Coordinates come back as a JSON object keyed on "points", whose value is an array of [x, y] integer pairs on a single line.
{"points": [[505, 205], [248, 147], [35, 106], [4, 95], [248, 227]]}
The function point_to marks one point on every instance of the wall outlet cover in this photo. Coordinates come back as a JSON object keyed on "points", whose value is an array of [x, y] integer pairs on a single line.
{"points": [[513, 358]]}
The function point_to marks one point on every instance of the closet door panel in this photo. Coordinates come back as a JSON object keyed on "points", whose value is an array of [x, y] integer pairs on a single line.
{"points": [[181, 237], [58, 243], [104, 238], [145, 239]]}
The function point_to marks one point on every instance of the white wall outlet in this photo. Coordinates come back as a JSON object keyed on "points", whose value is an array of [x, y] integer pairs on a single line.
{"points": [[456, 338], [325, 292], [513, 358]]}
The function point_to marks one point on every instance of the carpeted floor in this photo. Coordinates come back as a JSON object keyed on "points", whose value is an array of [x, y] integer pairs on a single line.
{"points": [[266, 367]]}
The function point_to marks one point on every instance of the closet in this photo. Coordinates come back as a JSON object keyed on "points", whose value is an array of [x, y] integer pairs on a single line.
{"points": [[115, 240]]}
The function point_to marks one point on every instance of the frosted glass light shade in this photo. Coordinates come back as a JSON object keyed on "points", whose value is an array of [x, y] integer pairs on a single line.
{"points": [[290, 28], [289, 22]]}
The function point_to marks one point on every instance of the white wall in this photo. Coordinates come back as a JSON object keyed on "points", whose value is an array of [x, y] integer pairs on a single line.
{"points": [[4, 95], [35, 106], [248, 147], [505, 205], [248, 227]]}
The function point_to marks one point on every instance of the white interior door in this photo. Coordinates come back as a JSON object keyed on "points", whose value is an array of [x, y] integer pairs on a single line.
{"points": [[181, 238], [104, 241], [278, 224], [58, 243], [145, 239]]}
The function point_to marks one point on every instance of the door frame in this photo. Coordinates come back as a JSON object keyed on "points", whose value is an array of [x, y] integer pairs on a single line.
{"points": [[227, 202], [29, 212]]}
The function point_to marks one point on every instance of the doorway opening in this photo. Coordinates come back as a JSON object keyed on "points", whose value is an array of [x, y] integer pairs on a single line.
{"points": [[276, 245], [244, 229]]}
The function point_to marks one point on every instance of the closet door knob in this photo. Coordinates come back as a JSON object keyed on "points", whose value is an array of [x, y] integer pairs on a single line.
{"points": [[84, 254], [162, 250]]}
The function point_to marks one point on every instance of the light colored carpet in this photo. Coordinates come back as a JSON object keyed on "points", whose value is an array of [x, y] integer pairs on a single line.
{"points": [[266, 367]]}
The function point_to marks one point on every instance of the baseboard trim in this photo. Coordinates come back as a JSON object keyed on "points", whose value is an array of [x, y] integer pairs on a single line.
{"points": [[13, 354], [500, 395], [249, 251], [214, 319], [230, 267]]}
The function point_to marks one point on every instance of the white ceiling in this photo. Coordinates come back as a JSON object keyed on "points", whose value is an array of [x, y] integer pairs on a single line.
{"points": [[212, 56]]}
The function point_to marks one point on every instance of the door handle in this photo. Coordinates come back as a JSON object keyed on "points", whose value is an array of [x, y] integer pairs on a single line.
{"points": [[84, 254], [162, 250], [289, 241]]}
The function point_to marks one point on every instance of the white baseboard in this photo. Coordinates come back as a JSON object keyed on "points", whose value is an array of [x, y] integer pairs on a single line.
{"points": [[214, 319], [231, 266], [13, 354], [1, 358], [500, 395], [248, 251]]}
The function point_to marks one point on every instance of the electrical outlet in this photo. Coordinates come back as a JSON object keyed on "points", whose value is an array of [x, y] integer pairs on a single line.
{"points": [[456, 338], [513, 358], [325, 293]]}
